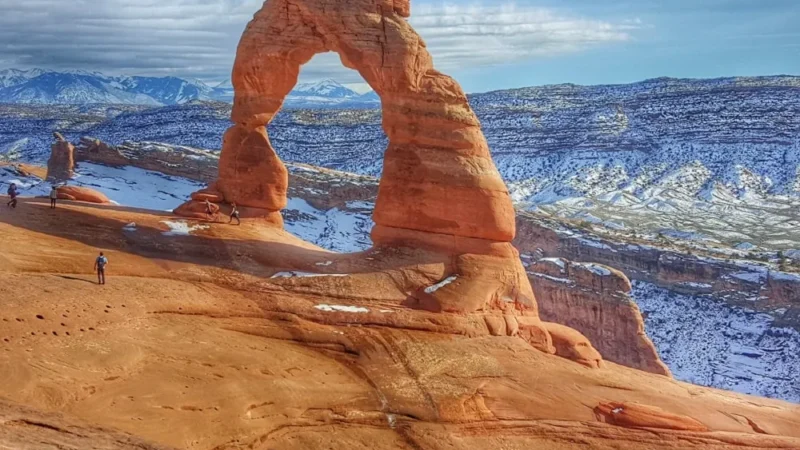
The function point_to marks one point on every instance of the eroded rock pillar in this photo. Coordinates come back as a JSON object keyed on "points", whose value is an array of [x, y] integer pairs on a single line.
{"points": [[61, 165]]}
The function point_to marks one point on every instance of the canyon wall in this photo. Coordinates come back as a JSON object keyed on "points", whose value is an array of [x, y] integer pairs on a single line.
{"points": [[596, 301]]}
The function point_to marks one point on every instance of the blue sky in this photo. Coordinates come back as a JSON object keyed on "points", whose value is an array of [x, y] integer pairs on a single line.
{"points": [[484, 44], [676, 38]]}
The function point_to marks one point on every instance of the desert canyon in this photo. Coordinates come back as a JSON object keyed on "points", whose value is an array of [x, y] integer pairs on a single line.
{"points": [[211, 336]]}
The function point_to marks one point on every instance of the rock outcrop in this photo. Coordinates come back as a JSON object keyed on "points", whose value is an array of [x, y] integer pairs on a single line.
{"points": [[440, 190], [741, 283], [61, 165], [82, 194], [191, 163], [595, 300]]}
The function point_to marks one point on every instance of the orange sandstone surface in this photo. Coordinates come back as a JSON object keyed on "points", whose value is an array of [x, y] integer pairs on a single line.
{"points": [[203, 340], [210, 336]]}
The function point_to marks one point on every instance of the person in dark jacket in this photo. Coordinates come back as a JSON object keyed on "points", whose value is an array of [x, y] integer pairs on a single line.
{"points": [[12, 192]]}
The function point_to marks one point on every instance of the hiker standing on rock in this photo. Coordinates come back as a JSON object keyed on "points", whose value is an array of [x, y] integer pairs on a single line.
{"points": [[100, 266], [12, 192], [235, 214], [53, 197]]}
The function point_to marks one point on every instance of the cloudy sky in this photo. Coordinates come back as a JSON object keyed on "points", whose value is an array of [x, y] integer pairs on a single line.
{"points": [[488, 44]]}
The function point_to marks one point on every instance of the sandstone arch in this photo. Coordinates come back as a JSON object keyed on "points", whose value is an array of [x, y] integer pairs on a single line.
{"points": [[438, 173], [440, 190]]}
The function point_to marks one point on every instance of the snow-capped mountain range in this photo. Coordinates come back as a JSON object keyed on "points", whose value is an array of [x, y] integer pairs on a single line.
{"points": [[38, 86]]}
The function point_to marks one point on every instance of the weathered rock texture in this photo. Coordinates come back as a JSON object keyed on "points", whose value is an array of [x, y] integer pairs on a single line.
{"points": [[440, 189], [179, 161], [206, 341], [595, 300], [25, 428], [61, 165]]}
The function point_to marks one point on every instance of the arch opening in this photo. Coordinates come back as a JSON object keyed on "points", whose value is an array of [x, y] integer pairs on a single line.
{"points": [[331, 119]]}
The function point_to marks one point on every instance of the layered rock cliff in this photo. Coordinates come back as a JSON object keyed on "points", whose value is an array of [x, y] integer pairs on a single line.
{"points": [[596, 301]]}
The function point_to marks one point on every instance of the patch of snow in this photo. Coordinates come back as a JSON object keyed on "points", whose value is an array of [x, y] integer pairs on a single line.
{"points": [[750, 277], [341, 308], [134, 187], [441, 284], [307, 275], [130, 227], [785, 276], [557, 261], [551, 278], [595, 269], [181, 228], [695, 285]]}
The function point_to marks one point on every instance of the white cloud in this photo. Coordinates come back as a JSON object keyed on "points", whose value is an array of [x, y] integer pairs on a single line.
{"points": [[197, 38], [461, 36]]}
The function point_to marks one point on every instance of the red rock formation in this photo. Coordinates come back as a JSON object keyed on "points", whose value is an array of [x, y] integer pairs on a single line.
{"points": [[595, 300], [180, 161], [95, 150], [438, 173], [82, 194], [571, 344], [440, 189], [61, 165], [206, 345]]}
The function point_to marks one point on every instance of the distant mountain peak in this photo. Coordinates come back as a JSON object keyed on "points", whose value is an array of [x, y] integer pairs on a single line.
{"points": [[325, 88]]}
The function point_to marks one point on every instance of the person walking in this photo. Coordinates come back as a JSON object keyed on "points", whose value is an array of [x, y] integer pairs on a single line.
{"points": [[12, 192], [234, 214], [100, 266], [53, 197], [209, 211]]}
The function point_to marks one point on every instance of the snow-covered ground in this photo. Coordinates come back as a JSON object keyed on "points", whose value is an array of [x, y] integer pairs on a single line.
{"points": [[130, 186], [705, 341], [344, 231], [126, 186]]}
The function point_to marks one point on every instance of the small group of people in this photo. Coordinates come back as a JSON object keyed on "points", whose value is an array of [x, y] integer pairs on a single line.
{"points": [[13, 193], [210, 213], [100, 262]]}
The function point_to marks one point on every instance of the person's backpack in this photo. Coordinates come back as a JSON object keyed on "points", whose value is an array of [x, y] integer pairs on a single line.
{"points": [[101, 262], [12, 190]]}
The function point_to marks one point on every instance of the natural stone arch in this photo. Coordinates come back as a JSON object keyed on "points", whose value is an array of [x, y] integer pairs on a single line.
{"points": [[438, 173], [440, 194]]}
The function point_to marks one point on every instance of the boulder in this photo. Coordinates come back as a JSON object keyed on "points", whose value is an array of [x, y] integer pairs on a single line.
{"points": [[82, 194]]}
